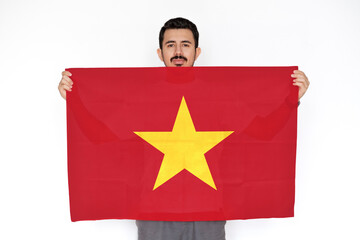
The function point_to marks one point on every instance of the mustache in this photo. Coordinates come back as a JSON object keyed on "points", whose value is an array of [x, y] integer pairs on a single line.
{"points": [[178, 57]]}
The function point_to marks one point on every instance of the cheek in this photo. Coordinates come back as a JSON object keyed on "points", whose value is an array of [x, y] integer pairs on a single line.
{"points": [[167, 55], [189, 53]]}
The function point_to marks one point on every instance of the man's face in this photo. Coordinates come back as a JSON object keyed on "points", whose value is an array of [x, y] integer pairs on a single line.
{"points": [[178, 48]]}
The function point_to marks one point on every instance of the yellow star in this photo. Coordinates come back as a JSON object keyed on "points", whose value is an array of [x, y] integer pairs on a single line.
{"points": [[184, 148]]}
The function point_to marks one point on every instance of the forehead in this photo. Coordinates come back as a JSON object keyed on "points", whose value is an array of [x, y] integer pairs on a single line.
{"points": [[178, 35]]}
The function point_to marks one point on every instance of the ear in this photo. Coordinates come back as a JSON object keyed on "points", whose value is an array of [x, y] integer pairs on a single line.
{"points": [[159, 52], [197, 52]]}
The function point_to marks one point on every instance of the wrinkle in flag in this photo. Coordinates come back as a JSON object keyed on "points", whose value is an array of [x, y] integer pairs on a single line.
{"points": [[182, 144]]}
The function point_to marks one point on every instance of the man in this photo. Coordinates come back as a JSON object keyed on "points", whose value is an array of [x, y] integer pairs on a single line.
{"points": [[178, 47]]}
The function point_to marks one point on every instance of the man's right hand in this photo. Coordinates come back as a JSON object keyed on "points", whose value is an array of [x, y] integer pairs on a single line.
{"points": [[65, 83]]}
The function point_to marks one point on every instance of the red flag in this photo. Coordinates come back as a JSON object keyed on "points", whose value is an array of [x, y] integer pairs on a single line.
{"points": [[182, 144]]}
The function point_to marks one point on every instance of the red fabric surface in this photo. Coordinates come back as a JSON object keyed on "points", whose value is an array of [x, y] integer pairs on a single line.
{"points": [[112, 171]]}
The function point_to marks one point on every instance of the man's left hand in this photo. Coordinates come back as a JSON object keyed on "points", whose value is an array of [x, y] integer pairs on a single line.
{"points": [[301, 81]]}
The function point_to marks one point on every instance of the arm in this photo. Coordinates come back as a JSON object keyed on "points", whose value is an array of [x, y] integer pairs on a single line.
{"points": [[267, 127], [95, 130]]}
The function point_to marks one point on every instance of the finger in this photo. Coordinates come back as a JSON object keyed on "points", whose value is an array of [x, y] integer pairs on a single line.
{"points": [[66, 78], [66, 73], [298, 71], [305, 79], [66, 87], [65, 82], [301, 80], [302, 89], [298, 75], [299, 84], [301, 73]]}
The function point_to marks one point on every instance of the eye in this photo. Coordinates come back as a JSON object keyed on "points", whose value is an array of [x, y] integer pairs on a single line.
{"points": [[186, 45], [170, 45]]}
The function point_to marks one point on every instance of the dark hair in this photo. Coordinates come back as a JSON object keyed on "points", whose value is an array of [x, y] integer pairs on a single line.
{"points": [[179, 23]]}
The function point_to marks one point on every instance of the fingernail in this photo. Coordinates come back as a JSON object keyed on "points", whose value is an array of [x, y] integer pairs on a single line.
{"points": [[292, 75]]}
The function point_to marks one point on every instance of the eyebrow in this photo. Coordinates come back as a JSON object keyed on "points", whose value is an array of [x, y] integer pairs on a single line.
{"points": [[184, 41]]}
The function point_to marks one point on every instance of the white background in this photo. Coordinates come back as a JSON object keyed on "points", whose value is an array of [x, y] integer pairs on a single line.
{"points": [[39, 38]]}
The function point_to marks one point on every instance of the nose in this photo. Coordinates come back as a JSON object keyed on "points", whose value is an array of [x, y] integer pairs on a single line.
{"points": [[178, 51]]}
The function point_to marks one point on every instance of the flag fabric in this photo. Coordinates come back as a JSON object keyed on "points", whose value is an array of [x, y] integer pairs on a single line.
{"points": [[182, 144]]}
